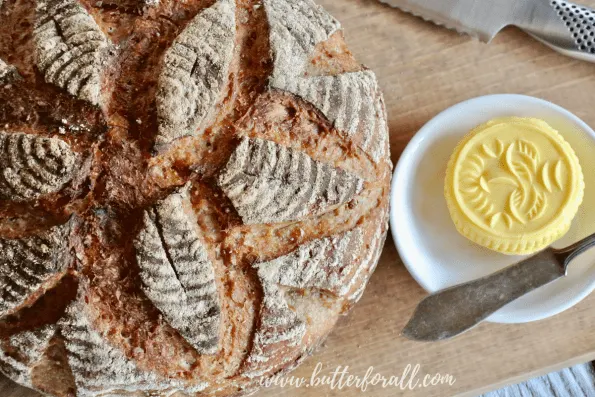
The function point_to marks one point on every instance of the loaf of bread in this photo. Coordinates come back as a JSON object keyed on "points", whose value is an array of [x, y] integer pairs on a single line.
{"points": [[191, 192]]}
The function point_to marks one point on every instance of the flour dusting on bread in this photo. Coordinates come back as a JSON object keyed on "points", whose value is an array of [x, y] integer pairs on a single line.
{"points": [[22, 350], [27, 263], [194, 74], [97, 366], [351, 101], [177, 274], [325, 264], [71, 50], [33, 166], [269, 183], [7, 72]]}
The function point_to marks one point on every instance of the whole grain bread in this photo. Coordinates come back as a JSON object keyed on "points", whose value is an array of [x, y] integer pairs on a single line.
{"points": [[191, 192]]}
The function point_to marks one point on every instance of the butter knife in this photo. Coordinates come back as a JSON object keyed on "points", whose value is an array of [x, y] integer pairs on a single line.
{"points": [[566, 27], [454, 310]]}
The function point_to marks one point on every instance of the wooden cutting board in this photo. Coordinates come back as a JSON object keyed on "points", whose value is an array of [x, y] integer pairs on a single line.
{"points": [[423, 69]]}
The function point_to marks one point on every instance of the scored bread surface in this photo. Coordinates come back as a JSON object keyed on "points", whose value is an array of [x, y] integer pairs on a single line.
{"points": [[26, 348], [352, 101], [191, 193], [33, 165], [269, 183], [99, 369], [325, 264], [195, 72], [70, 48], [7, 72], [97, 366], [27, 263], [177, 272]]}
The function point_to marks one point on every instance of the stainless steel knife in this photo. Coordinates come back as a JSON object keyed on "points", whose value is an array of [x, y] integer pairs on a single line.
{"points": [[454, 310], [566, 27]]}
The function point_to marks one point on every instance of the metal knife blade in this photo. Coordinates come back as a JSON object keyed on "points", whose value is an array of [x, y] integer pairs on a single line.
{"points": [[454, 310], [478, 18], [560, 24]]}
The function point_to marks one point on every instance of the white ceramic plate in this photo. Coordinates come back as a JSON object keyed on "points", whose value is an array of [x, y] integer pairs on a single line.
{"points": [[436, 255]]}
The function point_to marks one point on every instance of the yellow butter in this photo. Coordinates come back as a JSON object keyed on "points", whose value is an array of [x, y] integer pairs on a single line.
{"points": [[513, 185]]}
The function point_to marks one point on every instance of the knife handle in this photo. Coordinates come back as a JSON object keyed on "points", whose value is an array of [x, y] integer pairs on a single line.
{"points": [[455, 310], [567, 255], [564, 26]]}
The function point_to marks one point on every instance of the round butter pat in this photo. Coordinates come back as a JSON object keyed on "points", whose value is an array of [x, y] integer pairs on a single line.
{"points": [[513, 185]]}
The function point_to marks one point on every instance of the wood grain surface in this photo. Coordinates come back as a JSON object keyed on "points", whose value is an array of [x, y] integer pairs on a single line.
{"points": [[423, 69]]}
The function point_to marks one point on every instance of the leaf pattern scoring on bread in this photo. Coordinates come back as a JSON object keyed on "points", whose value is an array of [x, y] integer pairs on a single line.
{"points": [[7, 72], [27, 263], [177, 274], [351, 101], [327, 264], [33, 166], [195, 70], [98, 367], [270, 183], [71, 50], [22, 350]]}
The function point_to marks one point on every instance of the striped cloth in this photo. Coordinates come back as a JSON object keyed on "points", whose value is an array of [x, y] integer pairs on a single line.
{"points": [[578, 381]]}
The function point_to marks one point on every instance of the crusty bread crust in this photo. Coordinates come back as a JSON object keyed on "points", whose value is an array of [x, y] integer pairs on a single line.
{"points": [[222, 169]]}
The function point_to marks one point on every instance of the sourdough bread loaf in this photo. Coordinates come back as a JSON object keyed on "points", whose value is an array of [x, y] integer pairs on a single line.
{"points": [[191, 193]]}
